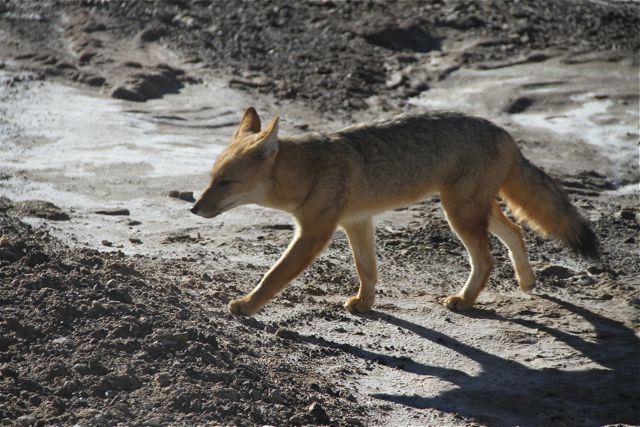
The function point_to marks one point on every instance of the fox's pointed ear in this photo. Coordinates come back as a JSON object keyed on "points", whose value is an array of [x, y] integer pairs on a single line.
{"points": [[268, 144], [250, 122]]}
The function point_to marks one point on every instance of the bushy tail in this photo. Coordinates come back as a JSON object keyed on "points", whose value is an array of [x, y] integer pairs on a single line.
{"points": [[533, 196]]}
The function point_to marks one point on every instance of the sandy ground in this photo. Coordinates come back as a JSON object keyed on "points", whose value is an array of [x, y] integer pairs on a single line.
{"points": [[113, 297]]}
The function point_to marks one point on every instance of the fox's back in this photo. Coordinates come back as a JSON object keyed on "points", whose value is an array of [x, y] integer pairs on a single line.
{"points": [[411, 155]]}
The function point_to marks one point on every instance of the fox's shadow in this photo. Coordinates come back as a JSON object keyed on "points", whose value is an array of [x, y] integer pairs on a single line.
{"points": [[510, 393]]}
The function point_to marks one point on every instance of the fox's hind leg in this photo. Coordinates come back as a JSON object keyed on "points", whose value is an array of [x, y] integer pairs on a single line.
{"points": [[362, 241], [469, 218], [511, 235]]}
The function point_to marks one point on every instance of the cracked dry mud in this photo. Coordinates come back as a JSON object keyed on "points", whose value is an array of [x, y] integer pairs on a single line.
{"points": [[113, 298]]}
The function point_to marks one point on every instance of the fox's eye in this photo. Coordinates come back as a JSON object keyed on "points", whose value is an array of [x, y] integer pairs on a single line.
{"points": [[224, 182]]}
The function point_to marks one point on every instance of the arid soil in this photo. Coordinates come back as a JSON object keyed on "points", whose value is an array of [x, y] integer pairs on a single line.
{"points": [[113, 303]]}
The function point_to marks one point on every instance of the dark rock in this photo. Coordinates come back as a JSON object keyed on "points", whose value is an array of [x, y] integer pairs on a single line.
{"points": [[121, 295], [412, 38], [36, 257], [287, 334], [112, 212], [152, 33], [163, 379], [7, 371], [152, 84], [628, 214], [187, 196], [40, 209], [7, 254], [318, 413], [519, 105], [556, 271], [5, 203]]}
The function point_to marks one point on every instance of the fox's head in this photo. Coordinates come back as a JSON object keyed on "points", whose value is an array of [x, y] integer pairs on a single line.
{"points": [[243, 172]]}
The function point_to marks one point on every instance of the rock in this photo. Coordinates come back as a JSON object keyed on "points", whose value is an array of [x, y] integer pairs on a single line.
{"points": [[556, 271], [318, 413], [152, 422], [7, 371], [26, 420], [5, 203], [163, 379], [260, 81], [287, 334], [12, 323], [168, 339], [120, 295], [40, 209], [152, 33], [151, 84], [275, 396], [411, 38], [92, 80], [35, 257], [519, 105], [7, 254], [394, 80], [113, 212], [187, 196], [135, 240], [628, 214], [106, 243]]}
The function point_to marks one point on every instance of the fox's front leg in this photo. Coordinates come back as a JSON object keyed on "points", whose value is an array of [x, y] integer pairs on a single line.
{"points": [[362, 241], [304, 248]]}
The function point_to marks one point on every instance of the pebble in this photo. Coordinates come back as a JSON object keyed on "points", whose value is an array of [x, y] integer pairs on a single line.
{"points": [[317, 411], [557, 271], [7, 254], [112, 212], [26, 420], [287, 334], [152, 422], [275, 396], [628, 214], [163, 379]]}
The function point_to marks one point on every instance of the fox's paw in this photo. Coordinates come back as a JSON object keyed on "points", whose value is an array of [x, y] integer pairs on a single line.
{"points": [[527, 280], [242, 307], [457, 303], [358, 305]]}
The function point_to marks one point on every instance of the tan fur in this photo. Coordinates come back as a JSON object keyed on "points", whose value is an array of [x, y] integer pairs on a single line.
{"points": [[345, 178]]}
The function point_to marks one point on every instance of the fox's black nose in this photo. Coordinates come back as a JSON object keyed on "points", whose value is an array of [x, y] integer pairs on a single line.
{"points": [[194, 210]]}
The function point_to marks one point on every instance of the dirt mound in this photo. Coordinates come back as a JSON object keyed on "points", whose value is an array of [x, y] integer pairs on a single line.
{"points": [[89, 338]]}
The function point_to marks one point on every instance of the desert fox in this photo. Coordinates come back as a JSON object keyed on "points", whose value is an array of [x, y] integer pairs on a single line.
{"points": [[326, 180]]}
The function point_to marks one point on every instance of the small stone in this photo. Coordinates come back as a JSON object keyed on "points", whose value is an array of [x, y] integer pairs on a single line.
{"points": [[163, 379], [135, 240], [596, 270], [152, 422], [287, 334], [275, 396], [8, 371], [394, 80], [557, 271], [26, 420], [628, 214], [106, 243], [7, 254], [112, 212], [318, 412], [187, 196]]}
